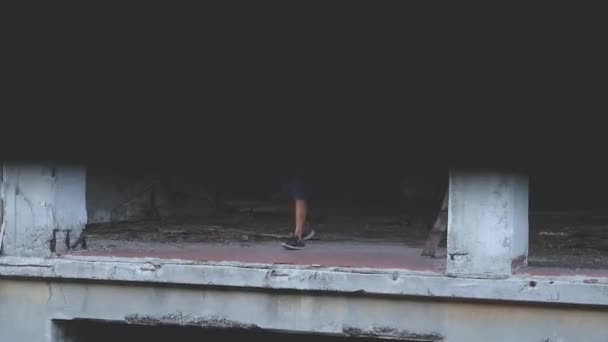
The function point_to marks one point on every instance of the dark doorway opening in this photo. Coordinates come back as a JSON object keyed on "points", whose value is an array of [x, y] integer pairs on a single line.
{"points": [[101, 331]]}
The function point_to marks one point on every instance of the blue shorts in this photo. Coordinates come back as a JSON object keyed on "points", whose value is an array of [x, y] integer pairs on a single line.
{"points": [[295, 186]]}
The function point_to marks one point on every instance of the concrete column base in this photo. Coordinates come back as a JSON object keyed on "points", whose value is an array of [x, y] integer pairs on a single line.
{"points": [[487, 223], [42, 203]]}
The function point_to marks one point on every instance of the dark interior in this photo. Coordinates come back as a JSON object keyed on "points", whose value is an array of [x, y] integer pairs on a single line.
{"points": [[366, 93], [98, 331]]}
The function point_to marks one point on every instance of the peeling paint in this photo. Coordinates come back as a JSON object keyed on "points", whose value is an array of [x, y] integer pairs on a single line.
{"points": [[150, 266], [457, 254], [391, 333], [184, 319]]}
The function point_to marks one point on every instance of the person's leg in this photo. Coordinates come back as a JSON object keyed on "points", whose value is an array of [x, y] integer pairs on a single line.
{"points": [[298, 194], [301, 210]]}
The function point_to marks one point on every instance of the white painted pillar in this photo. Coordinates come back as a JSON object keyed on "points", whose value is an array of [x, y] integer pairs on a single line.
{"points": [[487, 223], [39, 198]]}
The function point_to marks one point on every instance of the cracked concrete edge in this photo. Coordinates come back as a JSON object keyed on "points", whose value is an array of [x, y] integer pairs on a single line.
{"points": [[218, 321], [2, 209], [572, 290]]}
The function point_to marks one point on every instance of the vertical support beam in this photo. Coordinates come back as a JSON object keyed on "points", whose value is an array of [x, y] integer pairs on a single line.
{"points": [[487, 223], [2, 225], [42, 202], [438, 230]]}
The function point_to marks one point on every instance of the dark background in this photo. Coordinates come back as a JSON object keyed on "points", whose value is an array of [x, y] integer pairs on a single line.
{"points": [[371, 87], [94, 331]]}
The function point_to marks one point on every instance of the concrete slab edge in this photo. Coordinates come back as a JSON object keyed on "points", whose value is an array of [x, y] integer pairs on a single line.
{"points": [[571, 290]]}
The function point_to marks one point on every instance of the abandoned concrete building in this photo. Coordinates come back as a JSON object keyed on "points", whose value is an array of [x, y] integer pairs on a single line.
{"points": [[108, 234], [142, 262]]}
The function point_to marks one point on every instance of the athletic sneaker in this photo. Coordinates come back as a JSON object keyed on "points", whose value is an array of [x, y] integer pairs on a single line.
{"points": [[294, 244], [308, 234]]}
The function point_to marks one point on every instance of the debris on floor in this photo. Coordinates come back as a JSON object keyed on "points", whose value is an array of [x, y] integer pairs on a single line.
{"points": [[575, 240]]}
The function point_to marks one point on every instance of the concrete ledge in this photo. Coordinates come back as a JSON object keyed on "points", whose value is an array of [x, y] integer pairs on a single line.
{"points": [[557, 289]]}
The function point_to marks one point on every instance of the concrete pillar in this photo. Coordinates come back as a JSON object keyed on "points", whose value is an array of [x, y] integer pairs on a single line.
{"points": [[38, 199], [487, 223]]}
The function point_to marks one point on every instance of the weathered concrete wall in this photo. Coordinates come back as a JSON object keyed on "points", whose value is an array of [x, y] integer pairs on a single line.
{"points": [[521, 220], [112, 196], [543, 287], [29, 307], [487, 223], [70, 197], [115, 197], [39, 198]]}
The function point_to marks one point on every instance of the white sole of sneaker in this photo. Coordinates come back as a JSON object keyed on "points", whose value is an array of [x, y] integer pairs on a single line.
{"points": [[291, 248], [309, 236]]}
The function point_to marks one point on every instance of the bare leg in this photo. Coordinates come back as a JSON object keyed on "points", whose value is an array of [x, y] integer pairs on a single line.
{"points": [[301, 208]]}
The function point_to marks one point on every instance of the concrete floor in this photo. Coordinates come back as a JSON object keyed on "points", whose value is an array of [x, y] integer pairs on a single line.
{"points": [[318, 253], [558, 240], [321, 253]]}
